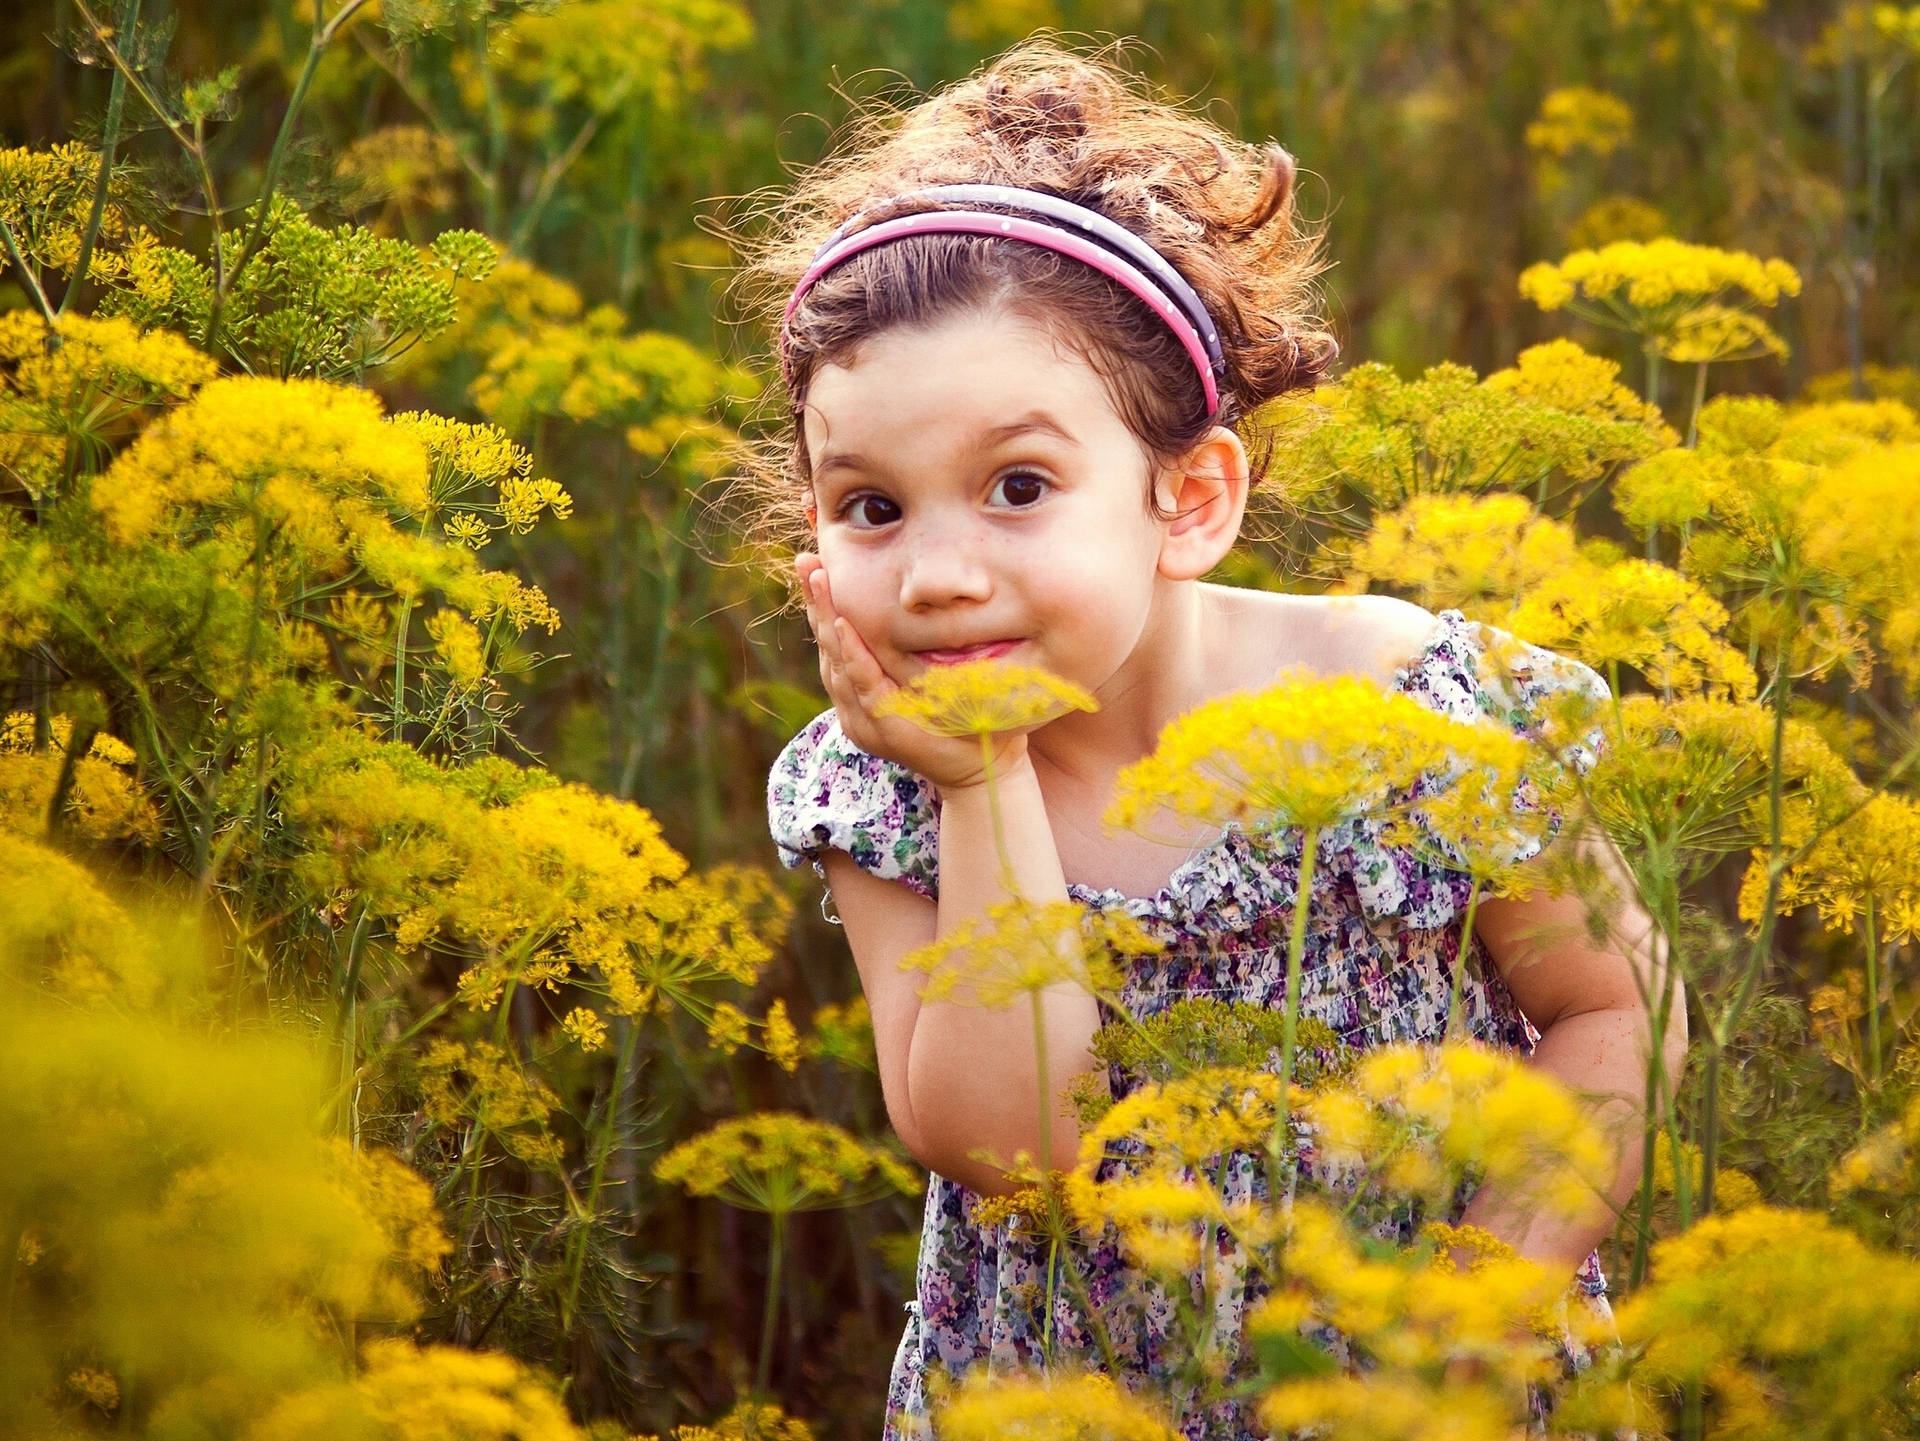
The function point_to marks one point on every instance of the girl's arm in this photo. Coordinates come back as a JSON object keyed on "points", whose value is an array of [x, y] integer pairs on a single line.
{"points": [[1585, 999], [958, 1079]]}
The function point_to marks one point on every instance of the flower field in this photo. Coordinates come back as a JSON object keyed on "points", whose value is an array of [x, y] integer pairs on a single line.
{"points": [[410, 1034]]}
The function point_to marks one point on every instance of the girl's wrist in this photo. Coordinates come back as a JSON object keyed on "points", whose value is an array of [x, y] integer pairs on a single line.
{"points": [[1012, 766]]}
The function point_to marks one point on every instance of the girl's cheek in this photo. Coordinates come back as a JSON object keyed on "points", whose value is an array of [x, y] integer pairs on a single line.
{"points": [[862, 589]]}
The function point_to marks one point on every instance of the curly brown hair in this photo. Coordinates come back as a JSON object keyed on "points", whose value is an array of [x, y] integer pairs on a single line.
{"points": [[1042, 117]]}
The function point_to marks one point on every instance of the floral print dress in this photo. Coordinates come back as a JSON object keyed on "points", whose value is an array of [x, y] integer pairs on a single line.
{"points": [[1382, 937]]}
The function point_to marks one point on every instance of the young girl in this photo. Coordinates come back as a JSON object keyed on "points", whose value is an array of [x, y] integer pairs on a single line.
{"points": [[1019, 331]]}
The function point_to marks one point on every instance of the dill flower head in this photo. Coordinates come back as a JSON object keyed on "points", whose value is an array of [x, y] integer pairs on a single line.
{"points": [[1791, 1313], [1306, 752], [1640, 614], [1407, 1317], [1018, 948], [1650, 286], [1869, 862], [425, 1391], [778, 1162], [1415, 1120], [986, 1407], [1711, 333], [985, 697], [1189, 1122], [1475, 553]]}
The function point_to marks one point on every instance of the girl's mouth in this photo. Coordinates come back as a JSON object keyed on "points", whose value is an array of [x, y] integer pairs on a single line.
{"points": [[956, 655]]}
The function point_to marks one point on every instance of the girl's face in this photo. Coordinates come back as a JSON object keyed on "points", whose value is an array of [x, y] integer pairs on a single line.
{"points": [[976, 495]]}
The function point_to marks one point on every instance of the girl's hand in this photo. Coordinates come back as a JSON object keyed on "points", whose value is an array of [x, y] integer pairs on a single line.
{"points": [[856, 685]]}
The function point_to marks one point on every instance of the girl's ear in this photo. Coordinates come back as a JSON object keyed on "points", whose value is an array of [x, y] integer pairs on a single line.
{"points": [[1206, 496]]}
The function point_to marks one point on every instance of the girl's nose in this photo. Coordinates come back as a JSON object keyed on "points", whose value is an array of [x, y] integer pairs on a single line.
{"points": [[941, 574]]}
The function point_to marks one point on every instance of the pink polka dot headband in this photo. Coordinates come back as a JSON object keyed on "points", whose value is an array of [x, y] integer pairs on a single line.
{"points": [[1066, 228]]}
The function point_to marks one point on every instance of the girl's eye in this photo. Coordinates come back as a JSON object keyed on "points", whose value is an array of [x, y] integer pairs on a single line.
{"points": [[870, 512], [1019, 490]]}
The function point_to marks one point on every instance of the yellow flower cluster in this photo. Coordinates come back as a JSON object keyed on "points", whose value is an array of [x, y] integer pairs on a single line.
{"points": [[1578, 117], [62, 408], [480, 1085], [1413, 1121], [540, 883], [1062, 1408], [1306, 752], [1642, 615], [1793, 1324], [426, 1393], [1019, 948], [985, 698], [1553, 425], [1409, 1317], [748, 1421], [779, 1163], [1662, 277], [1475, 553], [104, 800], [1867, 865], [1690, 778]]}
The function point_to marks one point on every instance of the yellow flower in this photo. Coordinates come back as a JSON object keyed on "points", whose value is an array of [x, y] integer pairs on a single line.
{"points": [[779, 1163], [1576, 117], [1812, 1324], [1711, 333], [1475, 553], [986, 697], [1418, 1119], [431, 1393], [1019, 948], [586, 1028], [1308, 753], [1076, 1408], [1871, 860], [1640, 614], [1560, 374], [1648, 286], [1188, 1123], [781, 1040], [96, 1388]]}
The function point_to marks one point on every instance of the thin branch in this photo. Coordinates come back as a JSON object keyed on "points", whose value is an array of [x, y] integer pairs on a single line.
{"points": [[109, 145], [191, 144], [462, 146], [29, 279], [557, 167], [322, 37]]}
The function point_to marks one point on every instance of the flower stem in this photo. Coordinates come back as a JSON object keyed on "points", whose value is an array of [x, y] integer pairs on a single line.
{"points": [[775, 1251], [1456, 1019], [1296, 951], [1873, 996]]}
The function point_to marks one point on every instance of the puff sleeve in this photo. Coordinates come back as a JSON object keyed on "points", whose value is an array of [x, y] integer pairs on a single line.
{"points": [[825, 793]]}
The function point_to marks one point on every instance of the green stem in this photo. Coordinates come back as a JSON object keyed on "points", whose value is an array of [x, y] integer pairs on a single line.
{"points": [[1008, 881], [1456, 1019], [1699, 399], [775, 1251], [612, 1135], [1724, 1026], [109, 145], [32, 283], [1873, 997], [1046, 1098], [1709, 1128], [1290, 1024]]}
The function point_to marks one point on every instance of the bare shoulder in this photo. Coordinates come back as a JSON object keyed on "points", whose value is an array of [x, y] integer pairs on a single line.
{"points": [[1367, 635], [1372, 635]]}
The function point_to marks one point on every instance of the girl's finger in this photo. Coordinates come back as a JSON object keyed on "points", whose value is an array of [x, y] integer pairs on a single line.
{"points": [[870, 683], [820, 610]]}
